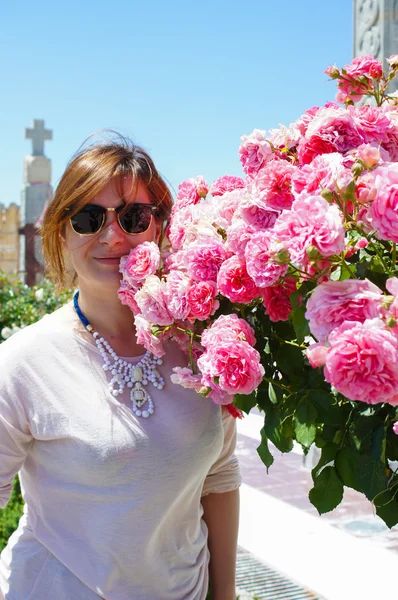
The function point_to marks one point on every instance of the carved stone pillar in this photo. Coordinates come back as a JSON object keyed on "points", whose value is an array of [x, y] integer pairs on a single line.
{"points": [[376, 29]]}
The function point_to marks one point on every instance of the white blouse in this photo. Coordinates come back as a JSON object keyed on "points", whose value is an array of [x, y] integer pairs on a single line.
{"points": [[113, 505]]}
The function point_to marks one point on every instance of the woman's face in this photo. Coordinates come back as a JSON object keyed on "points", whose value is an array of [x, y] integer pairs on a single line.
{"points": [[95, 258]]}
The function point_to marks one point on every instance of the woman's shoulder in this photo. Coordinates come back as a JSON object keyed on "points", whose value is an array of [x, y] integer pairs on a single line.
{"points": [[38, 339]]}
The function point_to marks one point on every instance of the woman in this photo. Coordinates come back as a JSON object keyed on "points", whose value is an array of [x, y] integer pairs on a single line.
{"points": [[118, 506]]}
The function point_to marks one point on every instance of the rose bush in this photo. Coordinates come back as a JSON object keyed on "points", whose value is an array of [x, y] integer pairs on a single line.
{"points": [[299, 296]]}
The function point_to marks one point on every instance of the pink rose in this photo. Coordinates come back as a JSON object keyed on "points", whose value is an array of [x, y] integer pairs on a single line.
{"points": [[303, 122], [384, 208], [175, 294], [254, 152], [228, 327], [337, 126], [334, 302], [372, 122], [326, 171], [261, 255], [193, 188], [235, 364], [186, 378], [309, 148], [152, 301], [227, 183], [202, 300], [273, 184], [364, 66], [235, 283], [395, 426], [204, 260], [277, 300], [142, 261], [362, 362], [145, 337], [255, 211], [238, 234], [126, 296], [392, 287], [179, 222], [227, 206], [312, 222], [316, 354]]}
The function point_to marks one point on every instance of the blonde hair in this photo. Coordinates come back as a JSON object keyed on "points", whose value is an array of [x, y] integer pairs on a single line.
{"points": [[88, 172]]}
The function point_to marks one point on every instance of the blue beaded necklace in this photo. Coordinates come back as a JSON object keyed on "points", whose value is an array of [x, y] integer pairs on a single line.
{"points": [[125, 374]]}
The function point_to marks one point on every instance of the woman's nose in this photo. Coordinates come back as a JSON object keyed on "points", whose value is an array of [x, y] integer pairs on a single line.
{"points": [[111, 232]]}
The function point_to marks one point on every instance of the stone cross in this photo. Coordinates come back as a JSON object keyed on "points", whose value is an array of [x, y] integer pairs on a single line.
{"points": [[38, 134], [376, 29]]}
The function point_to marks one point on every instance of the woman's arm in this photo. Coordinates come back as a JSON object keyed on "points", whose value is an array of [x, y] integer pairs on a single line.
{"points": [[221, 515]]}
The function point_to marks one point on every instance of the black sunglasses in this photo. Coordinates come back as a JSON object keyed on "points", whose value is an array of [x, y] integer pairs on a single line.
{"points": [[133, 218]]}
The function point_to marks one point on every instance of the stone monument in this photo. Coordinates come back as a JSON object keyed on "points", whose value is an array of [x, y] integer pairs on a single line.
{"points": [[36, 193], [376, 30]]}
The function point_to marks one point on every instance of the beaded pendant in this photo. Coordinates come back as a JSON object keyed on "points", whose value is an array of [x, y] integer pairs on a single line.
{"points": [[125, 374]]}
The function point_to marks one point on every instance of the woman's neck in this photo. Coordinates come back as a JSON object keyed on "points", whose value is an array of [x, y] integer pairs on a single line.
{"points": [[112, 320]]}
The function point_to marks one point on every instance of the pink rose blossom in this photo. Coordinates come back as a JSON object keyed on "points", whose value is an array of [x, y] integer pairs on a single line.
{"points": [[309, 148], [257, 213], [337, 126], [228, 205], [262, 259], [194, 189], [312, 222], [254, 152], [395, 428], [334, 302], [384, 208], [273, 184], [235, 283], [126, 296], [152, 301], [277, 300], [369, 155], [227, 183], [366, 66], [202, 300], [326, 171], [228, 327], [372, 122], [142, 261], [204, 260], [175, 294], [235, 364], [179, 222], [186, 378], [362, 362], [316, 354], [238, 234], [145, 337], [392, 287], [303, 122]]}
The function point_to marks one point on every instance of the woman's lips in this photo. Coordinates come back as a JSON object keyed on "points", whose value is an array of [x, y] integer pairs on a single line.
{"points": [[108, 260]]}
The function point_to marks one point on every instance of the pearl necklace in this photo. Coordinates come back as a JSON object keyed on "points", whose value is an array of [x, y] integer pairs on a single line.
{"points": [[134, 376]]}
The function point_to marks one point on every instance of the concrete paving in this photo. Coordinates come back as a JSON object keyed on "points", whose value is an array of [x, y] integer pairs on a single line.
{"points": [[348, 554]]}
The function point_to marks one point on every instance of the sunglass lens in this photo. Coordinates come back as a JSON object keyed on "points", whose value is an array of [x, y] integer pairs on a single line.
{"points": [[136, 219], [87, 221]]}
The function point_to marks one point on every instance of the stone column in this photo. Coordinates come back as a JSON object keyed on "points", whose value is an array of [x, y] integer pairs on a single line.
{"points": [[376, 30], [36, 194]]}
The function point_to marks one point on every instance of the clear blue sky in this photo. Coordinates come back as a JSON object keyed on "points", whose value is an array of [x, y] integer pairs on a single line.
{"points": [[185, 79]]}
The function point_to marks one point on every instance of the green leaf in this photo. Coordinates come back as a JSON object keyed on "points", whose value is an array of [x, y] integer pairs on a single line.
{"points": [[327, 492], [346, 463], [362, 430], [372, 476], [305, 424], [379, 442], [273, 429], [386, 505], [300, 323], [245, 401], [271, 393], [263, 451], [290, 360], [327, 456]]}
